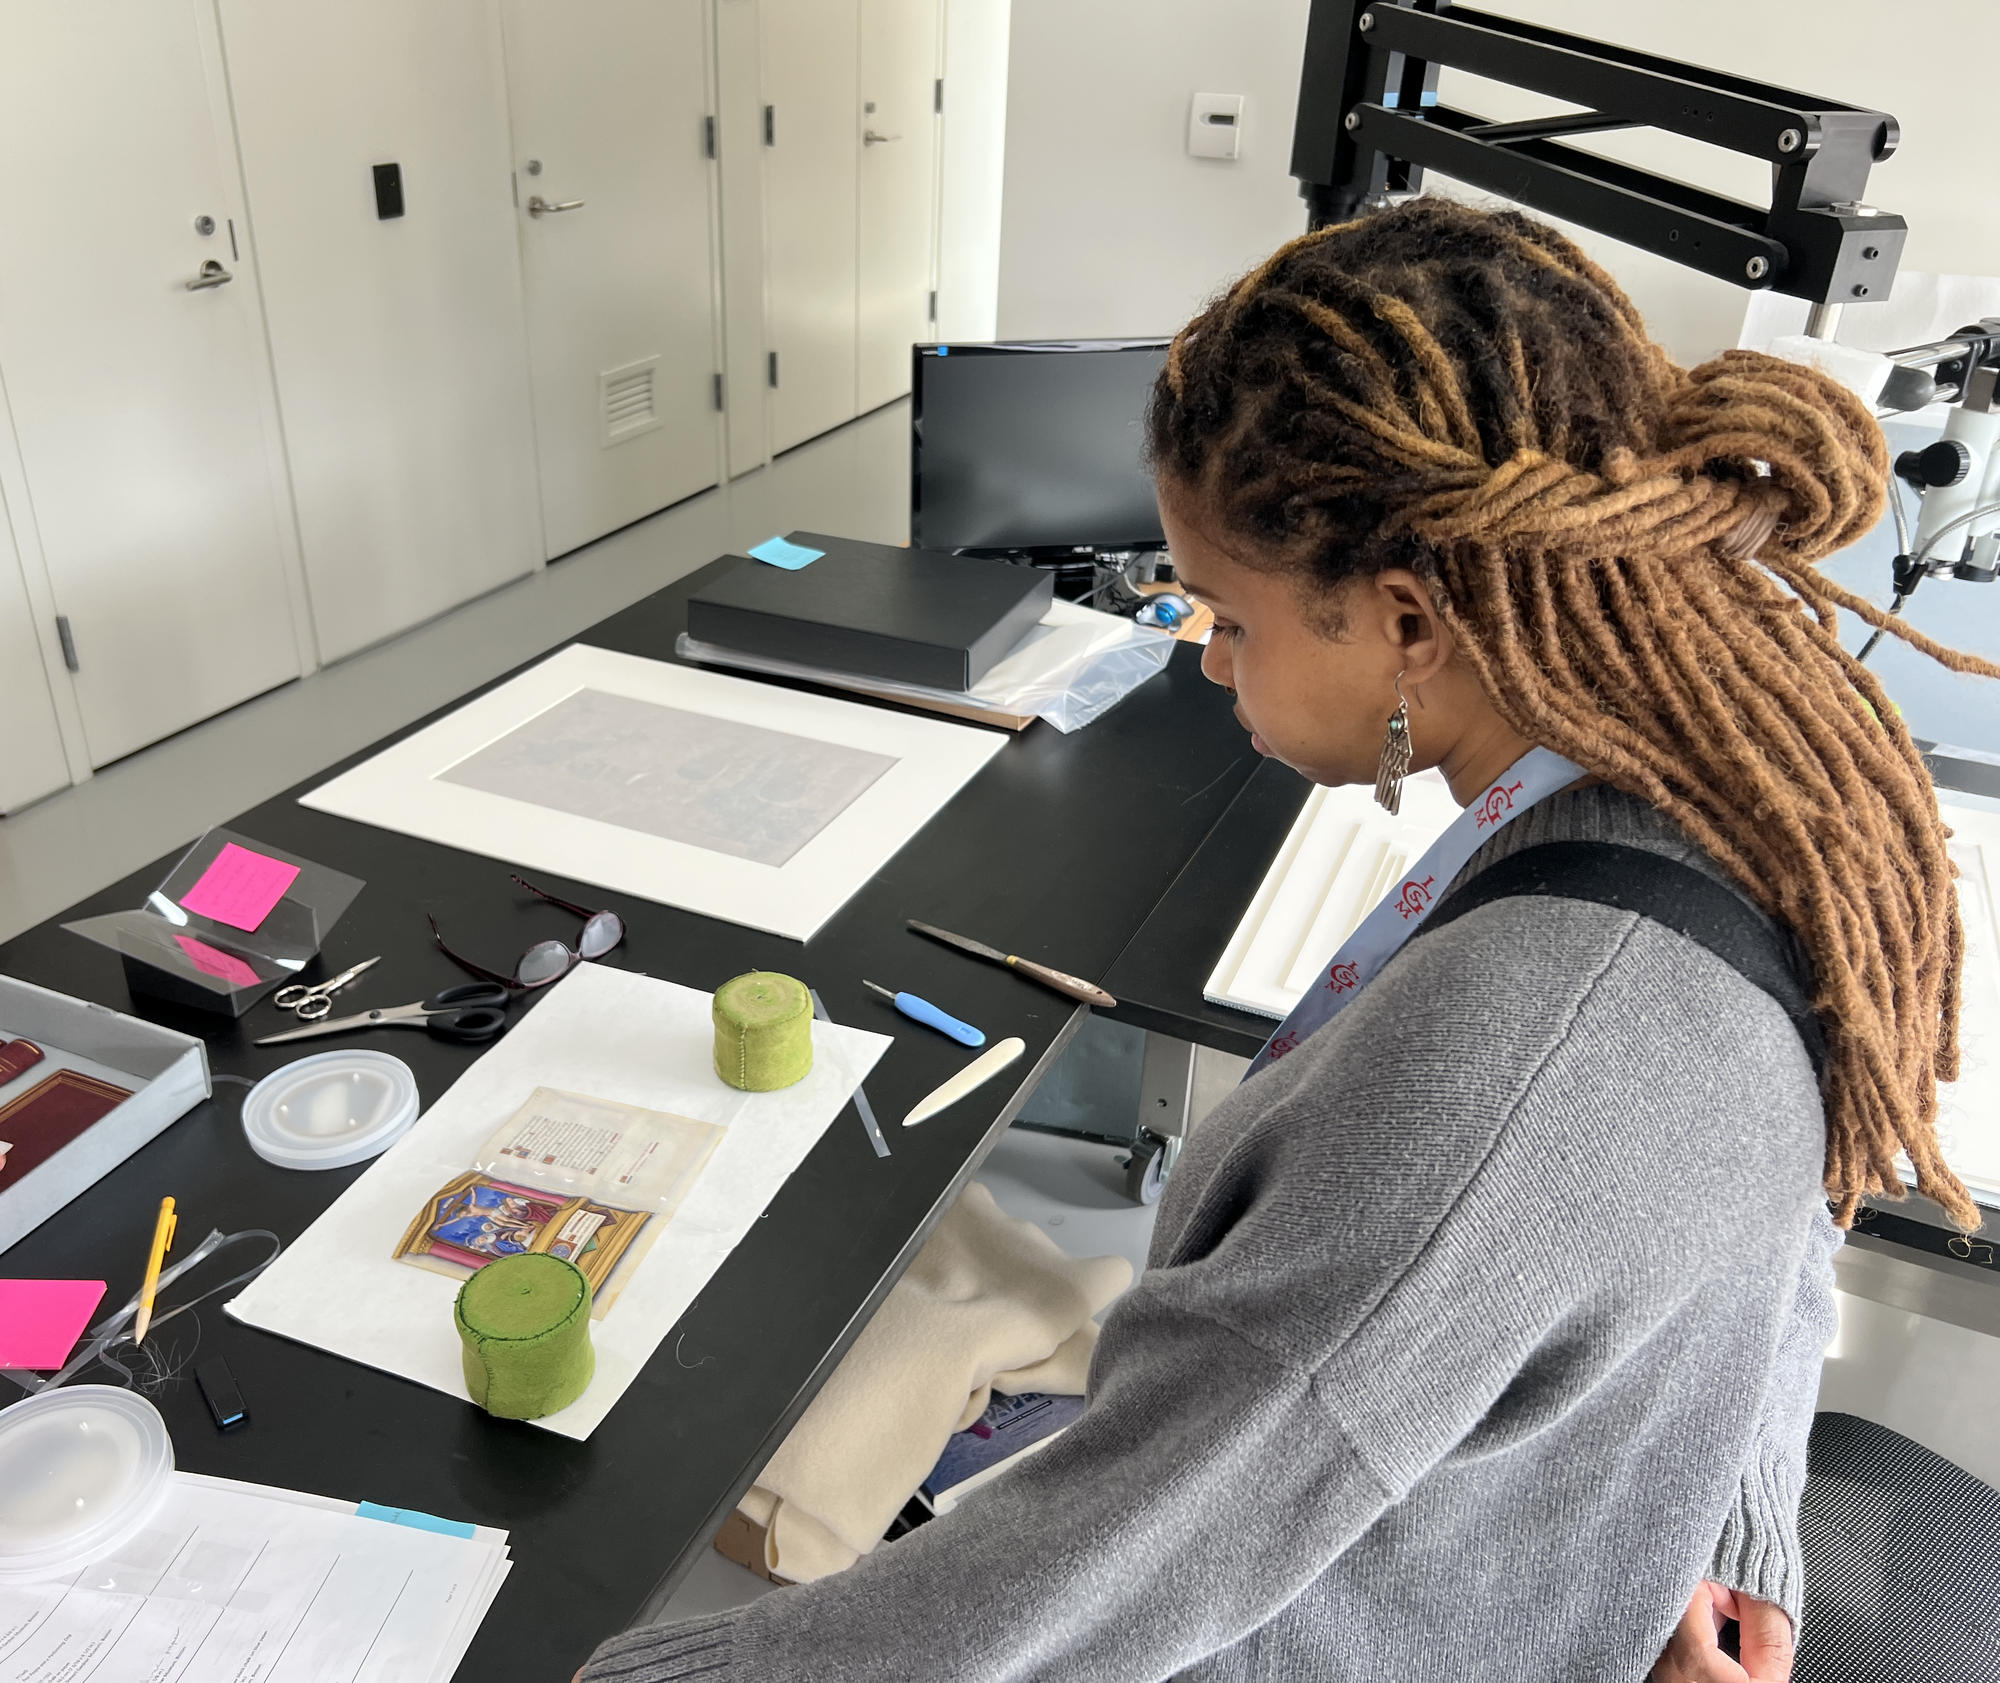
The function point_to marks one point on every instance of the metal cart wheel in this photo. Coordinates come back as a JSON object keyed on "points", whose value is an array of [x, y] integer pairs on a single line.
{"points": [[1146, 1170]]}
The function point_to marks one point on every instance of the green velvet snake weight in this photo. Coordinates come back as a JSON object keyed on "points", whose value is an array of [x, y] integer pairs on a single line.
{"points": [[524, 1328], [763, 1031]]}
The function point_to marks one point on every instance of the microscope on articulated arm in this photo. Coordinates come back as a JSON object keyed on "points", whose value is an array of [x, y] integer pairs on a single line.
{"points": [[1370, 122]]}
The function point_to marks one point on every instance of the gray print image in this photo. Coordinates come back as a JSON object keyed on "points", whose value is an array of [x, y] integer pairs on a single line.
{"points": [[732, 788]]}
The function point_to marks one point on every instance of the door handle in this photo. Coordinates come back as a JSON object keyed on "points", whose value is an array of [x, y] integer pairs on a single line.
{"points": [[871, 138], [539, 206], [212, 274]]}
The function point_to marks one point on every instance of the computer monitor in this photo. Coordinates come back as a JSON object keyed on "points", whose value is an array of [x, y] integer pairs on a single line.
{"points": [[1034, 449]]}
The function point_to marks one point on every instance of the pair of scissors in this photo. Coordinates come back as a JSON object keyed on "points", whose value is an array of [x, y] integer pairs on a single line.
{"points": [[314, 1000], [470, 1013]]}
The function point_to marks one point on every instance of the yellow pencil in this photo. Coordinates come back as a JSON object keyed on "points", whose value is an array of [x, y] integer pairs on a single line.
{"points": [[163, 1236]]}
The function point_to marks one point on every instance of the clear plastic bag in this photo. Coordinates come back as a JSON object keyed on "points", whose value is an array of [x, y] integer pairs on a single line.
{"points": [[1075, 666]]}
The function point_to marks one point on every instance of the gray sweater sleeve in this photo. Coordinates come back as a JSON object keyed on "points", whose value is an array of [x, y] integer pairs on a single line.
{"points": [[1758, 1552], [1215, 1475], [1191, 1502]]}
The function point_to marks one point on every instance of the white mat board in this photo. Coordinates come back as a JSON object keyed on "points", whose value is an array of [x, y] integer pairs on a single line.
{"points": [[602, 1032], [826, 836]]}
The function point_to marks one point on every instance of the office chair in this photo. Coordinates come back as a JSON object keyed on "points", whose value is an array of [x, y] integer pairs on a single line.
{"points": [[1902, 1562]]}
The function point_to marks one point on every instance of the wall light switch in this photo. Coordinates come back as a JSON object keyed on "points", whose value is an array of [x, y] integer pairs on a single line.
{"points": [[388, 191], [1215, 126]]}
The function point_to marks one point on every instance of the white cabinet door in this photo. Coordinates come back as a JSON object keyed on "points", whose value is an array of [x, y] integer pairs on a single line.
{"points": [[400, 343], [136, 401], [609, 102], [31, 753], [897, 241], [739, 81], [810, 49]]}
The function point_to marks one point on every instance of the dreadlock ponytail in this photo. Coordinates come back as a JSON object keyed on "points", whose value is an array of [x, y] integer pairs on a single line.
{"points": [[1625, 552]]}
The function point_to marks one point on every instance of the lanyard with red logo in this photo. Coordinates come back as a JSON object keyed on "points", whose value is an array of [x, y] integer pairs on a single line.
{"points": [[1534, 777]]}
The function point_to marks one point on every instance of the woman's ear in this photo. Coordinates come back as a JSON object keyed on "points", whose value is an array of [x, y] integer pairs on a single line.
{"points": [[1403, 615]]}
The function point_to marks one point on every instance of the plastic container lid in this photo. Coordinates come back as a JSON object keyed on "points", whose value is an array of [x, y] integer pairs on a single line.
{"points": [[82, 1469], [330, 1110]]}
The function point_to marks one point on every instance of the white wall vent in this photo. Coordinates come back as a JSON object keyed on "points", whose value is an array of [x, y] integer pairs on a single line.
{"points": [[627, 403]]}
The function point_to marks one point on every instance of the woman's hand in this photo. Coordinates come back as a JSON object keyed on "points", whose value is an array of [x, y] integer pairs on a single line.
{"points": [[1695, 1654]]}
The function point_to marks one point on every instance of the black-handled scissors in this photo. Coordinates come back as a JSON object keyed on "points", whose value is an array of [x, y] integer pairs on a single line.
{"points": [[470, 1013]]}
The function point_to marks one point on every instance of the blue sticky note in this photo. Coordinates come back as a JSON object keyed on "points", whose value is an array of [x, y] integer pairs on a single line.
{"points": [[416, 1521], [781, 552]]}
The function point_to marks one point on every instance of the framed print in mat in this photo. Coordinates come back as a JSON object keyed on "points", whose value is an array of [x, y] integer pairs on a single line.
{"points": [[759, 805]]}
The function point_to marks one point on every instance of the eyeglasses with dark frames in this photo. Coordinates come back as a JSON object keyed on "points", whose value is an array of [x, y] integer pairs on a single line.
{"points": [[545, 961]]}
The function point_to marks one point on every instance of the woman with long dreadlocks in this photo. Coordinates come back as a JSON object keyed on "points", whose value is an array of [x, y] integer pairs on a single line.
{"points": [[1483, 1321]]}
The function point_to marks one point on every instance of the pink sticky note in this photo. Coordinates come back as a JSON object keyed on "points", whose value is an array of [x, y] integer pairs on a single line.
{"points": [[217, 963], [240, 888], [41, 1320]]}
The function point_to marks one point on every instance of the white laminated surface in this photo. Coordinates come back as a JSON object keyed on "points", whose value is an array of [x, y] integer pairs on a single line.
{"points": [[602, 1032], [421, 787], [1342, 854], [1969, 1108]]}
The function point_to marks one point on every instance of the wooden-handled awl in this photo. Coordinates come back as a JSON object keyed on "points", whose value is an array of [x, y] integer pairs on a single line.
{"points": [[1061, 980]]}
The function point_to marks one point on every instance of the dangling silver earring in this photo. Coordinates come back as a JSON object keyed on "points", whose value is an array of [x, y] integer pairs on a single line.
{"points": [[1395, 762]]}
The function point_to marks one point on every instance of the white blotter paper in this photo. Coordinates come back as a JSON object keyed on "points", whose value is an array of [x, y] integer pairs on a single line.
{"points": [[404, 788], [609, 1034]]}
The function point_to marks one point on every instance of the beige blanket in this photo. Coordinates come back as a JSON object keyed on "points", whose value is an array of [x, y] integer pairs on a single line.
{"points": [[989, 1304]]}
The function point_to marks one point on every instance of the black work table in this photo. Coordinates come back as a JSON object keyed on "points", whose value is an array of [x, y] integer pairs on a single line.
{"points": [[1057, 850], [1158, 978]]}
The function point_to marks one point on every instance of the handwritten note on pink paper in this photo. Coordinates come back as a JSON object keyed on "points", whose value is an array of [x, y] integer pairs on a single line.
{"points": [[41, 1320], [240, 888], [215, 962]]}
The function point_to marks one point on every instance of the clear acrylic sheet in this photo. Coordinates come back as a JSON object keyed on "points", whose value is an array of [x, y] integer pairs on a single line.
{"points": [[181, 955]]}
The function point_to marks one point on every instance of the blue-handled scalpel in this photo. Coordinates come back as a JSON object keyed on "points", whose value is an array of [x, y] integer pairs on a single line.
{"points": [[923, 1011]]}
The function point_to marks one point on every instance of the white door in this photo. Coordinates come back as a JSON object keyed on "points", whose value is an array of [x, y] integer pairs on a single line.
{"points": [[32, 763], [897, 238], [810, 49], [609, 103], [136, 400], [739, 84], [400, 342]]}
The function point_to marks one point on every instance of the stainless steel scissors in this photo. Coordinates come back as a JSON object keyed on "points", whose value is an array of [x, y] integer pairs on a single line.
{"points": [[314, 1000], [470, 1013]]}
